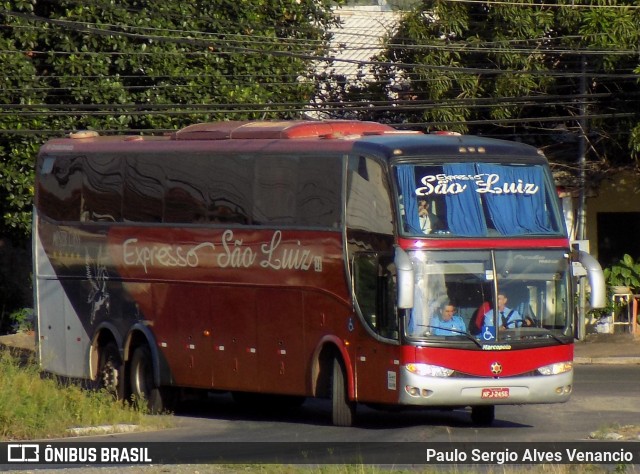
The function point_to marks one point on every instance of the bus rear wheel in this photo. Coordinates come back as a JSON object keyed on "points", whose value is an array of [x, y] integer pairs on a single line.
{"points": [[143, 386], [483, 415], [342, 409]]}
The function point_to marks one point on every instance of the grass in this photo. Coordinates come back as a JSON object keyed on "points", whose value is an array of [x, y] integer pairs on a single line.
{"points": [[37, 407], [617, 432]]}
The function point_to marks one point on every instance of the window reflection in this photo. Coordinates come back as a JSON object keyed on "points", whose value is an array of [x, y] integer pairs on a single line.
{"points": [[201, 189], [368, 204], [60, 187], [532, 288], [144, 189], [102, 189], [477, 200]]}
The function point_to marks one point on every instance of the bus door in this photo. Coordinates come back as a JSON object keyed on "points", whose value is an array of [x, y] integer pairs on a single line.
{"points": [[377, 350]]}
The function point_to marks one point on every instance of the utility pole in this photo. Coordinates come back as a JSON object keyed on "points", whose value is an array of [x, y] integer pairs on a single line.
{"points": [[582, 151], [582, 164]]}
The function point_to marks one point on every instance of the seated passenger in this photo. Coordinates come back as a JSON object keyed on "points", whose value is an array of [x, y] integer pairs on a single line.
{"points": [[507, 318], [429, 222], [447, 323]]}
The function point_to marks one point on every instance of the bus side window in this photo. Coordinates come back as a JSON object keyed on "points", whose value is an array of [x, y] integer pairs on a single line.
{"points": [[374, 287], [184, 198], [319, 194], [60, 187], [294, 191], [274, 191], [368, 197], [228, 192], [102, 189], [143, 190]]}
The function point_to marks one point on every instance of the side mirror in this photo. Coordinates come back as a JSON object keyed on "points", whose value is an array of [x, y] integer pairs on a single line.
{"points": [[406, 281], [596, 279]]}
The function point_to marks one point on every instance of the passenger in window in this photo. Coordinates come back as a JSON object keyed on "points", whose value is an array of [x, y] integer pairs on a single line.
{"points": [[507, 318], [429, 222], [448, 323]]}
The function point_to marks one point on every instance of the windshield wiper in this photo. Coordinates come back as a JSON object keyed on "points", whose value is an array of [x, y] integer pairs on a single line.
{"points": [[457, 333]]}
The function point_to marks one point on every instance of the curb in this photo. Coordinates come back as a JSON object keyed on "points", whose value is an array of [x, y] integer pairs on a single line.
{"points": [[103, 429]]}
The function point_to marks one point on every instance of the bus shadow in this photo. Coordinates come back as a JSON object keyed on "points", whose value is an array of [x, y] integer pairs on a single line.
{"points": [[317, 412]]}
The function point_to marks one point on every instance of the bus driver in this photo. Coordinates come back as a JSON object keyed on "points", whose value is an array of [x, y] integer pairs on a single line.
{"points": [[508, 318], [448, 323]]}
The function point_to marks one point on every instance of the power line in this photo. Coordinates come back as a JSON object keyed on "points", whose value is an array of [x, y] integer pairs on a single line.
{"points": [[236, 109], [235, 46], [361, 41], [551, 99], [222, 44], [542, 44]]}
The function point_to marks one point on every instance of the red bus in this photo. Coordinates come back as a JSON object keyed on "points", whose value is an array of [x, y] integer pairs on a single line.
{"points": [[292, 259]]}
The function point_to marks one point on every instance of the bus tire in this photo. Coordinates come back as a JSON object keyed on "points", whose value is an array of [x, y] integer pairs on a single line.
{"points": [[109, 377], [342, 409], [483, 415], [143, 386]]}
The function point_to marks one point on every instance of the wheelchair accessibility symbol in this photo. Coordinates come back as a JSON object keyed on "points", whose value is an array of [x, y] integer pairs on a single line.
{"points": [[489, 333]]}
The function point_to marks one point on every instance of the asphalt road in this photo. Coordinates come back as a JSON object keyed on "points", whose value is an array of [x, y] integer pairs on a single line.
{"points": [[604, 397]]}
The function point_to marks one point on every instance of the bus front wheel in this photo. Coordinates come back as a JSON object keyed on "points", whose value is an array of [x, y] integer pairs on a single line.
{"points": [[342, 409], [483, 415], [143, 387]]}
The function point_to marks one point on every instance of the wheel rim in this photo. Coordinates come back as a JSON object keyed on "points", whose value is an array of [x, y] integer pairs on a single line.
{"points": [[109, 374], [142, 376]]}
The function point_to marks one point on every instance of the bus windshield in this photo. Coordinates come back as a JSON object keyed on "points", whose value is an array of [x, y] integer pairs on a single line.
{"points": [[476, 200], [457, 293]]}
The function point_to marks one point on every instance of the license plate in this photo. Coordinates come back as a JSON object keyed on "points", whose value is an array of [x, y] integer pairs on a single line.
{"points": [[495, 393]]}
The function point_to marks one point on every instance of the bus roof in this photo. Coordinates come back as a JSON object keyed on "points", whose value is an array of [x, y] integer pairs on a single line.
{"points": [[449, 146], [278, 136], [291, 129]]}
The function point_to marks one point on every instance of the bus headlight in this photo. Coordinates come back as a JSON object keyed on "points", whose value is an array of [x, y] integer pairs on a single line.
{"points": [[555, 369], [429, 370]]}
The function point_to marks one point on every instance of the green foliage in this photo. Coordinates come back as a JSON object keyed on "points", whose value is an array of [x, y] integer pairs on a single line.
{"points": [[33, 407], [22, 320], [513, 69], [143, 66], [16, 176], [626, 272]]}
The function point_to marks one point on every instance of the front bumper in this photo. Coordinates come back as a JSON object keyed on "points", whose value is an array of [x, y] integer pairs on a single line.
{"points": [[469, 391]]}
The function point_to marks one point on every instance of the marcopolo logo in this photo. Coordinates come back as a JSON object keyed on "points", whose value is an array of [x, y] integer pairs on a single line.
{"points": [[23, 453]]}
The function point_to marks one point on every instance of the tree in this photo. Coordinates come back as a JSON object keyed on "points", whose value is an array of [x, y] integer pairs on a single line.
{"points": [[528, 70], [137, 66], [142, 66]]}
